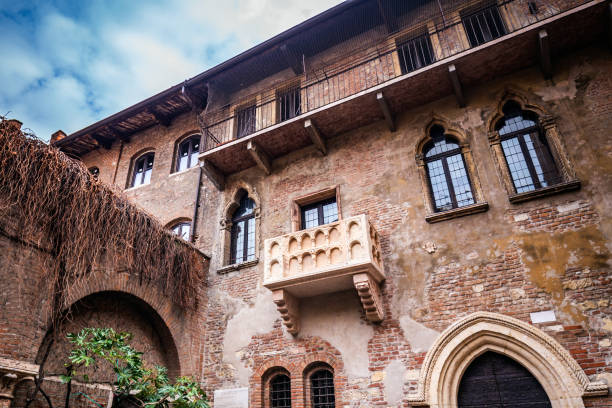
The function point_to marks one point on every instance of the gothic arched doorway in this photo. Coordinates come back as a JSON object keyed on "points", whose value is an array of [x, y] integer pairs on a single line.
{"points": [[493, 380]]}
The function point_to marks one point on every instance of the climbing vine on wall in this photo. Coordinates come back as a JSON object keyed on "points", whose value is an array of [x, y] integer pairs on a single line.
{"points": [[84, 224]]}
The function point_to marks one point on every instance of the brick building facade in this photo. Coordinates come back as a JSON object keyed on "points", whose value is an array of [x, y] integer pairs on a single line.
{"points": [[347, 244]]}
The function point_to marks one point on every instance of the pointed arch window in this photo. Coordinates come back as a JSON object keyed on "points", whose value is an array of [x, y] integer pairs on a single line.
{"points": [[526, 151], [242, 246], [449, 183], [143, 167]]}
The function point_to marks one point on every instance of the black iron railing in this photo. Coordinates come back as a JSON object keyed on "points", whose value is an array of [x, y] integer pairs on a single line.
{"points": [[467, 25]]}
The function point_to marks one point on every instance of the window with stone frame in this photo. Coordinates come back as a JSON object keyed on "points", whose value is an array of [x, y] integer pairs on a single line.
{"points": [[242, 233], [318, 208], [526, 150], [449, 182], [451, 187]]}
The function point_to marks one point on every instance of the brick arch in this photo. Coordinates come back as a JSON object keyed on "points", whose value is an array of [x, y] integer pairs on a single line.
{"points": [[169, 316], [299, 367]]}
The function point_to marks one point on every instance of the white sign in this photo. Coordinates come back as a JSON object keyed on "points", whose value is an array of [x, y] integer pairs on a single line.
{"points": [[232, 398]]}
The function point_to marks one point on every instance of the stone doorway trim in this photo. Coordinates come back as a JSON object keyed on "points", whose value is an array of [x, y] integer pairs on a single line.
{"points": [[559, 374]]}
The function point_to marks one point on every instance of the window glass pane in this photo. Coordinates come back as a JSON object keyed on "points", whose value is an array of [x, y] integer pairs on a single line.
{"points": [[195, 150], [311, 217], [439, 186], [239, 241], [517, 165], [246, 121], [441, 146], [330, 213], [515, 124], [147, 176], [251, 240], [246, 207], [460, 180], [322, 389], [182, 230], [280, 392]]}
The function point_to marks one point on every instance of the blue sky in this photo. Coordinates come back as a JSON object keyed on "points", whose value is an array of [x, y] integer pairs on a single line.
{"points": [[66, 64]]}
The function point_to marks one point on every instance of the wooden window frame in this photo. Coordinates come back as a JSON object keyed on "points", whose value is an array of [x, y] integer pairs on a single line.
{"points": [[305, 200], [177, 159], [443, 157], [234, 236], [142, 156]]}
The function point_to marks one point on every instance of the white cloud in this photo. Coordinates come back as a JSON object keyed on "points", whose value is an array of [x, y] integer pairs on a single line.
{"points": [[66, 68]]}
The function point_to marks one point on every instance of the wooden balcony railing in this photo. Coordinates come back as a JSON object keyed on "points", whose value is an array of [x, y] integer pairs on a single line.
{"points": [[469, 25]]}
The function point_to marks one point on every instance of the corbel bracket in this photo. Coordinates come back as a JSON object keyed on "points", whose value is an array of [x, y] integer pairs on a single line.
{"points": [[289, 309], [369, 293], [457, 88], [261, 158], [215, 176], [315, 136], [384, 107], [545, 58]]}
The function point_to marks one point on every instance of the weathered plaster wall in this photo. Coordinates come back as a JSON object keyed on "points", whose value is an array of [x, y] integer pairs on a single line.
{"points": [[547, 254], [551, 253]]}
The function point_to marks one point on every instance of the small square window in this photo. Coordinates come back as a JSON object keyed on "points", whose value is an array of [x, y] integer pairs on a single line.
{"points": [[319, 213]]}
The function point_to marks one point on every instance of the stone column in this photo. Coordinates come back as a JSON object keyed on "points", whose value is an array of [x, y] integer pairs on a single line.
{"points": [[12, 372]]}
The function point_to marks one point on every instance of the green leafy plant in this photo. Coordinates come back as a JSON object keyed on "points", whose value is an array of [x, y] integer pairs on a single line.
{"points": [[136, 385]]}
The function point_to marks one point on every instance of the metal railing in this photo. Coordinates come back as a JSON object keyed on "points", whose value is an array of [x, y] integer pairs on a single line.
{"points": [[437, 38]]}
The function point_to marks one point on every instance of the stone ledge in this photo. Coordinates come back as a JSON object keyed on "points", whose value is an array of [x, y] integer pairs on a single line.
{"points": [[457, 212], [237, 266], [546, 191]]}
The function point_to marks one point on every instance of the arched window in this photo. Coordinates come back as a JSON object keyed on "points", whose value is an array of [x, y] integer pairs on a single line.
{"points": [[143, 167], [526, 150], [94, 171], [242, 246], [322, 392], [449, 182], [187, 153], [182, 229], [280, 391]]}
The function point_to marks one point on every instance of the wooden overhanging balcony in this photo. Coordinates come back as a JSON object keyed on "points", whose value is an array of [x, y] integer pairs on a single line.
{"points": [[451, 52], [326, 259]]}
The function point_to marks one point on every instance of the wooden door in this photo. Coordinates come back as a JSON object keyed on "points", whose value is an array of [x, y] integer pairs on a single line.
{"points": [[496, 381]]}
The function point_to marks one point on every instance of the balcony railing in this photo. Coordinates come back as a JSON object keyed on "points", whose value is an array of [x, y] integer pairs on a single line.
{"points": [[466, 25], [330, 258]]}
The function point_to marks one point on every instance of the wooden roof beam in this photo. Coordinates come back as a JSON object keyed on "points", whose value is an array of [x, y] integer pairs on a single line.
{"points": [[162, 119], [102, 141], [196, 102], [387, 17], [292, 59]]}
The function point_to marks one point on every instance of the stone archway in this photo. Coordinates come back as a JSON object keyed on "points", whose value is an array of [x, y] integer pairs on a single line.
{"points": [[461, 343]]}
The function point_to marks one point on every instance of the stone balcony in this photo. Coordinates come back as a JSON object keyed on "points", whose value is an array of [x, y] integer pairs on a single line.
{"points": [[330, 258]]}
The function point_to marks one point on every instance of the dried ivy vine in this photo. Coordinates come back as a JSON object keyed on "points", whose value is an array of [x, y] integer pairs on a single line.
{"points": [[81, 223]]}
